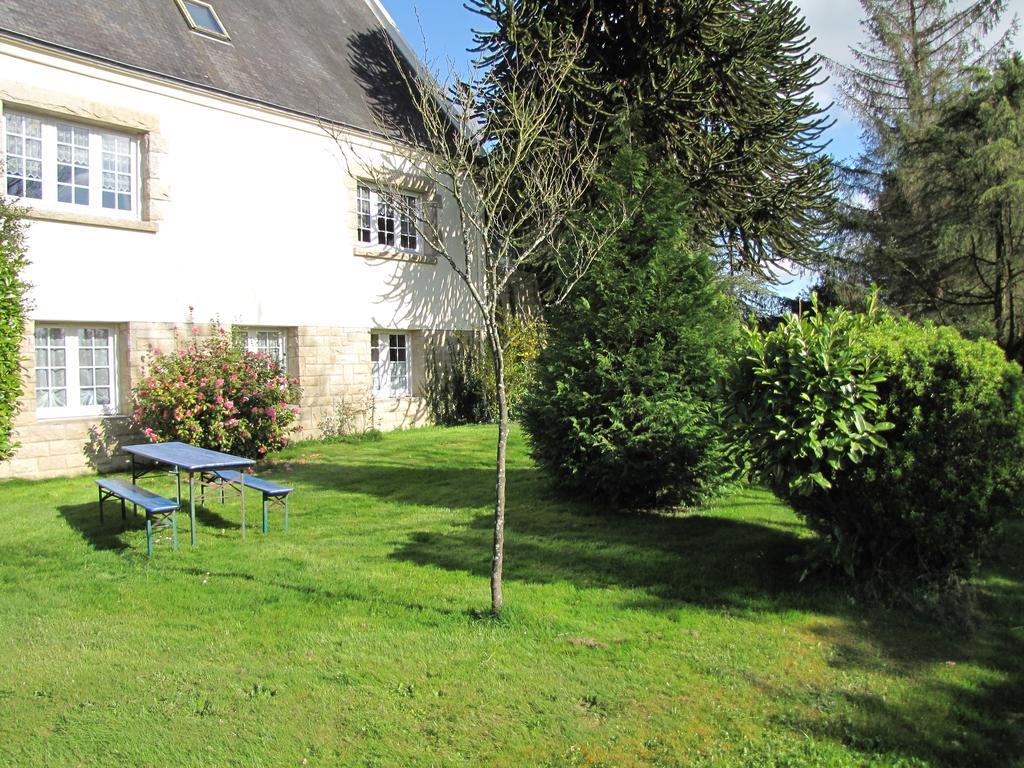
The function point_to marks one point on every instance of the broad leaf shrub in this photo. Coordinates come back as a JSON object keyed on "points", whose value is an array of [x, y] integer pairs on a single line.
{"points": [[460, 387], [13, 310], [213, 393], [805, 405], [523, 337], [626, 409], [456, 390], [918, 482]]}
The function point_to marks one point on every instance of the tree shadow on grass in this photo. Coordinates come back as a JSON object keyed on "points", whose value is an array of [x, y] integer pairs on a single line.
{"points": [[682, 558], [981, 719], [742, 565]]}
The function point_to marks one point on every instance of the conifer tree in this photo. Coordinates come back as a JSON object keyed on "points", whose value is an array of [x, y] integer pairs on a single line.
{"points": [[964, 176], [722, 87], [918, 57], [916, 53]]}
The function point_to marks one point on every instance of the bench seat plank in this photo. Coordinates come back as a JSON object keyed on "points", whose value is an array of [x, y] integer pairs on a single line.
{"points": [[148, 500], [266, 487]]}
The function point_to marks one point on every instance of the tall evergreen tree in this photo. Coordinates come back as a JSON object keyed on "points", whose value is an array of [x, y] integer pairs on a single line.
{"points": [[918, 55], [964, 176], [916, 52], [722, 87], [625, 413]]}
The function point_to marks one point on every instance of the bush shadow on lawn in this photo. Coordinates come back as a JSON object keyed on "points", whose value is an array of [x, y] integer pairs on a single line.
{"points": [[742, 566], [985, 723]]}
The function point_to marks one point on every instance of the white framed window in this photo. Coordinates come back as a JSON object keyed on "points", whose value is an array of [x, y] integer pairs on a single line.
{"points": [[64, 165], [271, 342], [76, 370], [392, 364], [388, 220]]}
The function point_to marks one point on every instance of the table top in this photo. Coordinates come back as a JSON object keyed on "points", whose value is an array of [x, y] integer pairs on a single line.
{"points": [[188, 457]]}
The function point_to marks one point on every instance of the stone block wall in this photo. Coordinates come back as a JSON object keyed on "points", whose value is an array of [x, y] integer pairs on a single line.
{"points": [[332, 364]]}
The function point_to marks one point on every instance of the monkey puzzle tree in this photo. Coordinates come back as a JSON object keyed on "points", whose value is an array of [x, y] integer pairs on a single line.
{"points": [[722, 87]]}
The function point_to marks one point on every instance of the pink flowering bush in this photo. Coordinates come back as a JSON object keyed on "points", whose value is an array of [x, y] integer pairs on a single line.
{"points": [[215, 394]]}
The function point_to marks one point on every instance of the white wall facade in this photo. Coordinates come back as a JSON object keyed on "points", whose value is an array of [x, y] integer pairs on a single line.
{"points": [[249, 219]]}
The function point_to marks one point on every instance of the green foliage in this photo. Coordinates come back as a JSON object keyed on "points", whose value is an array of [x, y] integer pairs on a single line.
{"points": [[461, 385], [625, 411], [523, 338], [958, 189], [915, 54], [457, 383], [725, 87], [942, 179], [804, 405], [920, 513], [908, 516], [13, 311], [214, 393]]}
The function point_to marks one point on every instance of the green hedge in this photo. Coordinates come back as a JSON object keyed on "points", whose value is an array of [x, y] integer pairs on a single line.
{"points": [[13, 311]]}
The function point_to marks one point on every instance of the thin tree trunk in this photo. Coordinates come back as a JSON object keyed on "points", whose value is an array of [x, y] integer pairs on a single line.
{"points": [[1002, 294], [498, 553]]}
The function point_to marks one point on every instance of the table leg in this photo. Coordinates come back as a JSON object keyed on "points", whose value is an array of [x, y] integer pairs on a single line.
{"points": [[177, 478], [241, 490], [192, 506]]}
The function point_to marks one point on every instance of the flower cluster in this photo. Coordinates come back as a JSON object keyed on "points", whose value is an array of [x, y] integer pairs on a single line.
{"points": [[216, 394]]}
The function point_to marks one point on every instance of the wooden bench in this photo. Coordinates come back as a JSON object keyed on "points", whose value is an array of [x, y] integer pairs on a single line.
{"points": [[157, 508], [272, 492]]}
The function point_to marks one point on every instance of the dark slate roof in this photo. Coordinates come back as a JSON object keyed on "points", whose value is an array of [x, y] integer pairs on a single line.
{"points": [[321, 58]]}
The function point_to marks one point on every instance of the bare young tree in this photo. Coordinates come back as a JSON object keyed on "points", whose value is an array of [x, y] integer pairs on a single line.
{"points": [[502, 154]]}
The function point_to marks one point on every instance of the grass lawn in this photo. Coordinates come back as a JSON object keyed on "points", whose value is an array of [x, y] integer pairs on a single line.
{"points": [[359, 637]]}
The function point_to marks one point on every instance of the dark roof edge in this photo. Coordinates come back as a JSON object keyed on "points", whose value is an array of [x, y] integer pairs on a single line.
{"points": [[90, 57]]}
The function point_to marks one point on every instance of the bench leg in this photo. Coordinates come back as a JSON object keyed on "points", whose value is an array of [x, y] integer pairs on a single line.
{"points": [[149, 534], [265, 528], [174, 529], [286, 514], [124, 513], [192, 508], [241, 492]]}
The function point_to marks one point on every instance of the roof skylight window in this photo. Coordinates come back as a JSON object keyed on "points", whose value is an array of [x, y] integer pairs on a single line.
{"points": [[202, 18]]}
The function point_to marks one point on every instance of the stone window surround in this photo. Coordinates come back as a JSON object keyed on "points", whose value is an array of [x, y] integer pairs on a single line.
{"points": [[430, 203], [145, 126]]}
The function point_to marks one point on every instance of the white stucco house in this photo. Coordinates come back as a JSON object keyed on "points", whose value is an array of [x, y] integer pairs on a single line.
{"points": [[179, 168]]}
